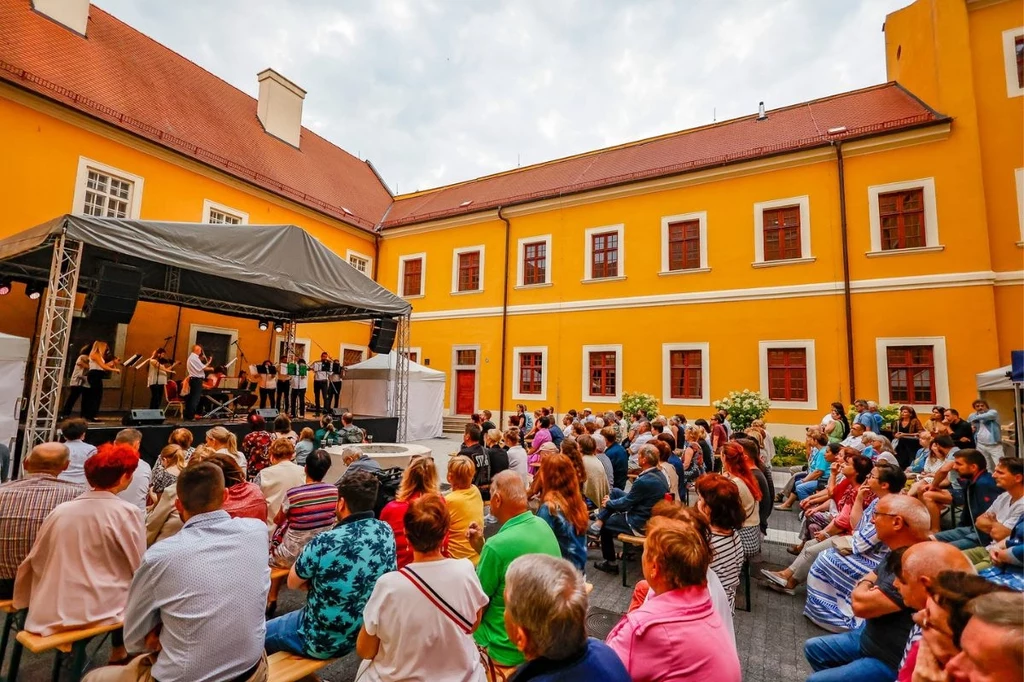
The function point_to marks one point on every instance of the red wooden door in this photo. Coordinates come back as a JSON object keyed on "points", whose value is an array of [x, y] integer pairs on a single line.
{"points": [[465, 391]]}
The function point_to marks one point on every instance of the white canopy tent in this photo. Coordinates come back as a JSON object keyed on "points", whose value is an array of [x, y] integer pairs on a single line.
{"points": [[14, 352], [995, 380], [369, 383]]}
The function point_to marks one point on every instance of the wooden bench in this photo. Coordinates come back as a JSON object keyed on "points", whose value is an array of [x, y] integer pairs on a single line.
{"points": [[71, 642], [286, 667], [10, 625], [278, 578], [629, 542]]}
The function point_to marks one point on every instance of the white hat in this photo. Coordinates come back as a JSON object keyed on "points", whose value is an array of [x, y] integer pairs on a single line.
{"points": [[888, 459]]}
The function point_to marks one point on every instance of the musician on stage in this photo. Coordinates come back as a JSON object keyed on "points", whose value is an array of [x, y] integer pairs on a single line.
{"points": [[299, 379], [321, 382], [210, 385], [197, 365], [284, 383], [159, 370], [98, 368], [334, 393], [268, 384]]}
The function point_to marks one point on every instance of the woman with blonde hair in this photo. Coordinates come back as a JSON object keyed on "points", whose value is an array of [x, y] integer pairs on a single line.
{"points": [[172, 461], [697, 443], [465, 506], [222, 441], [419, 478], [98, 368], [563, 508], [304, 448], [282, 475]]}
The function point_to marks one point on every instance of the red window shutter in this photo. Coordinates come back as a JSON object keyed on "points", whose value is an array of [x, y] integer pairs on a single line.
{"points": [[684, 245], [535, 263], [469, 271], [685, 374], [787, 374], [412, 277], [901, 219], [911, 372], [604, 255], [781, 227]]}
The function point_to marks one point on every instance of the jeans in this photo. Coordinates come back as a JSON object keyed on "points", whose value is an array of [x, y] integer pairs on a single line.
{"points": [[283, 634], [838, 658], [960, 537], [791, 483], [806, 489]]}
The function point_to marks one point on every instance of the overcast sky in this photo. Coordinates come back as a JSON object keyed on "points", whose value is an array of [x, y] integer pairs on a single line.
{"points": [[438, 91]]}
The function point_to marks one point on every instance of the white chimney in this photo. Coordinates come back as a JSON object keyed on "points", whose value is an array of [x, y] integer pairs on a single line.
{"points": [[73, 14], [280, 106]]}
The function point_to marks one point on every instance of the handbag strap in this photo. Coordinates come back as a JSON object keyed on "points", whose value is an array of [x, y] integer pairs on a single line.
{"points": [[437, 600]]}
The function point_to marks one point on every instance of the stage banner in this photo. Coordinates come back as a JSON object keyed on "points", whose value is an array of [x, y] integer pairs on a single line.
{"points": [[14, 352]]}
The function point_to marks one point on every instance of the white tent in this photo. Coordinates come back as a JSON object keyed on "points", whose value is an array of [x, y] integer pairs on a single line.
{"points": [[14, 352], [368, 385], [995, 380]]}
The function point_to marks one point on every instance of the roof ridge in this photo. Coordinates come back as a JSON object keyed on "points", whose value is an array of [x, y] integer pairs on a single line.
{"points": [[646, 140]]}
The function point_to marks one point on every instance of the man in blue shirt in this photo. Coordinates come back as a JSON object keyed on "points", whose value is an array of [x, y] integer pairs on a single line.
{"points": [[339, 569], [618, 456], [545, 618]]}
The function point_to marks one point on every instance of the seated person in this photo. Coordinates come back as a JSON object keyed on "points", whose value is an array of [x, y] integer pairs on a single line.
{"points": [[937, 489], [306, 511], [833, 575], [465, 507], [197, 599], [999, 519], [212, 398], [562, 507], [431, 606], [628, 512], [678, 634], [282, 475], [419, 478], [244, 499], [328, 624], [81, 565], [979, 492], [1007, 558], [817, 473], [546, 620], [992, 643], [349, 433]]}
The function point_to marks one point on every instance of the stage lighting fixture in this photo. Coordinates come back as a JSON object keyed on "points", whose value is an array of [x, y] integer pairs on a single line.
{"points": [[5, 286], [264, 325], [279, 327], [34, 290]]}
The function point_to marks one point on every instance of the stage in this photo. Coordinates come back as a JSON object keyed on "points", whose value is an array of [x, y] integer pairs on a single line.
{"points": [[154, 437]]}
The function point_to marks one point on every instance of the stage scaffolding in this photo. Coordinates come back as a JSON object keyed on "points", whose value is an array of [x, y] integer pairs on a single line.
{"points": [[399, 399]]}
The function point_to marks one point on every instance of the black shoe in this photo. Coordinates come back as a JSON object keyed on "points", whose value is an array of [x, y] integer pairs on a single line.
{"points": [[607, 567]]}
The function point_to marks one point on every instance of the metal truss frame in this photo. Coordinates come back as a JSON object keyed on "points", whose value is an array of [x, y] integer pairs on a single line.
{"points": [[52, 346], [400, 379]]}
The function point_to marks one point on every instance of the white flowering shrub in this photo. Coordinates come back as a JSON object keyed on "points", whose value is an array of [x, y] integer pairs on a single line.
{"points": [[743, 407], [631, 402]]}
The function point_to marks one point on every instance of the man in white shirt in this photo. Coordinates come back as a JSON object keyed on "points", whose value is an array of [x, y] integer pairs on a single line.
{"points": [[855, 439], [138, 489], [197, 368], [321, 383], [74, 431]]}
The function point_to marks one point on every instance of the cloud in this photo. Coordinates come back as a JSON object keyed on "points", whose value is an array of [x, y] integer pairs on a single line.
{"points": [[443, 91]]}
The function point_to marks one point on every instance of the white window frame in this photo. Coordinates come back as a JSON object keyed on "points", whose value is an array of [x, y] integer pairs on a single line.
{"points": [[453, 391], [86, 164], [938, 344], [804, 202], [351, 346], [349, 253], [587, 350], [400, 288], [209, 206], [455, 270], [520, 269], [517, 393], [588, 251], [812, 372], [931, 216], [419, 354], [1018, 175], [666, 374], [702, 218], [1013, 89], [305, 341], [194, 329]]}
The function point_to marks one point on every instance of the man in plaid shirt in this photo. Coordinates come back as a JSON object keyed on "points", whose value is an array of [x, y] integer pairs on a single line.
{"points": [[24, 504]]}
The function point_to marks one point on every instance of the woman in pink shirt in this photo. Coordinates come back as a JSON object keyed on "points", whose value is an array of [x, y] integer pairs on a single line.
{"points": [[676, 634]]}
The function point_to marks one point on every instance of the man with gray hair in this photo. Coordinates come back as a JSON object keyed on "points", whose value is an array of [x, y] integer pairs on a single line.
{"points": [[546, 620], [521, 533], [138, 491], [628, 512], [25, 503], [355, 460], [992, 643]]}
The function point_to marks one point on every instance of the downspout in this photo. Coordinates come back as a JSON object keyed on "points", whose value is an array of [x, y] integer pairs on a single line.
{"points": [[504, 320], [847, 295]]}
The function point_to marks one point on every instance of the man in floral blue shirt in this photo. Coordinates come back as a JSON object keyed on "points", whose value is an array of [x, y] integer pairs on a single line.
{"points": [[339, 569]]}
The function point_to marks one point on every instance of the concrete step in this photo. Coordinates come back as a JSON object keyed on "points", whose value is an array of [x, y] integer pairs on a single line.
{"points": [[454, 424]]}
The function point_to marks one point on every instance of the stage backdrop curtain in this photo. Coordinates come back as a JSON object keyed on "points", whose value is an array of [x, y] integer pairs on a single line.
{"points": [[368, 385], [14, 352]]}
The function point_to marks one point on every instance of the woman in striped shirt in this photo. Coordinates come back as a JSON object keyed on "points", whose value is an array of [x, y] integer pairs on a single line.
{"points": [[307, 510], [719, 501]]}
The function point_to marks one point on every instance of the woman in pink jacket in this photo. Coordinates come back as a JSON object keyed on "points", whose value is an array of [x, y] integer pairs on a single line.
{"points": [[676, 634]]}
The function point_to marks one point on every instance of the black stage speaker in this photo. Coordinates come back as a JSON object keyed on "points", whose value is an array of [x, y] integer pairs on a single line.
{"points": [[268, 414], [336, 412], [143, 418], [383, 336], [116, 294]]}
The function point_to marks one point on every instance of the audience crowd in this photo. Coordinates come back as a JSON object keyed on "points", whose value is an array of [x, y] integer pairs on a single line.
{"points": [[910, 548]]}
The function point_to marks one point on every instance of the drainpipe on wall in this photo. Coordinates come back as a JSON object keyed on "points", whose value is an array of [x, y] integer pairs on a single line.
{"points": [[504, 320], [847, 297]]}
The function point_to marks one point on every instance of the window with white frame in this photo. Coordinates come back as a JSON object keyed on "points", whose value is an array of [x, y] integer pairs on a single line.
{"points": [[903, 216], [468, 270], [684, 374], [788, 373], [604, 253], [351, 355], [106, 192], [530, 373], [411, 272], [782, 231], [534, 261], [912, 371], [360, 261], [1013, 61], [684, 242], [223, 218], [602, 373]]}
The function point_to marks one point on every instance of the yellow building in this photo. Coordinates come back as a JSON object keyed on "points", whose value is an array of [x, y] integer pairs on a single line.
{"points": [[868, 243]]}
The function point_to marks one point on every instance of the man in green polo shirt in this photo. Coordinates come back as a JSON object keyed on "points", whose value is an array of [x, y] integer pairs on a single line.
{"points": [[521, 533]]}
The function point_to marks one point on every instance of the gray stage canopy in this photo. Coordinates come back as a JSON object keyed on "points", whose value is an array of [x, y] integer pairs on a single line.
{"points": [[277, 272]]}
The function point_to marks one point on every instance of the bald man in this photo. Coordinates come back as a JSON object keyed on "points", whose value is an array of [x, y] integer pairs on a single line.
{"points": [[920, 566], [24, 504]]}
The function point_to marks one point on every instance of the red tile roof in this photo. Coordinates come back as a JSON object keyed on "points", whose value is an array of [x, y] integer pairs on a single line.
{"points": [[882, 108], [121, 76]]}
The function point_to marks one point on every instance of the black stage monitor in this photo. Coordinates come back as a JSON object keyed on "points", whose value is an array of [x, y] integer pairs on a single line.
{"points": [[383, 336], [338, 411], [268, 414], [143, 418]]}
